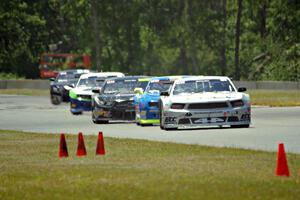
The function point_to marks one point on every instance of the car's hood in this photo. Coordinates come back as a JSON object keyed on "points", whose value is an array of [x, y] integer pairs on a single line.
{"points": [[59, 83], [83, 91], [152, 96], [118, 97], [207, 97]]}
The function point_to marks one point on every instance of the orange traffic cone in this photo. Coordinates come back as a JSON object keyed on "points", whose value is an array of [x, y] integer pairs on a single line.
{"points": [[81, 151], [100, 145], [282, 168], [63, 150]]}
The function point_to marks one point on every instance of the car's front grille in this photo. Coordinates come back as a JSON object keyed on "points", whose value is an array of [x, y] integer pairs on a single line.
{"points": [[233, 119], [208, 120], [184, 121], [85, 96], [208, 105], [124, 104], [153, 104]]}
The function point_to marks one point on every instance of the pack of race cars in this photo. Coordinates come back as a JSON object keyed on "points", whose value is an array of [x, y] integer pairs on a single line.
{"points": [[173, 102]]}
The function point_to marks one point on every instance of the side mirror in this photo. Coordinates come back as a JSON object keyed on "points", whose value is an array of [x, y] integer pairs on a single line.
{"points": [[164, 93], [242, 89], [72, 85], [52, 79], [138, 90]]}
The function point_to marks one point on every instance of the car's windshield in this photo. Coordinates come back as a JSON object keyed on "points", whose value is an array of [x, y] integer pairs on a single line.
{"points": [[87, 82], [70, 78], [100, 82], [65, 77], [142, 84], [120, 86], [199, 86], [159, 86]]}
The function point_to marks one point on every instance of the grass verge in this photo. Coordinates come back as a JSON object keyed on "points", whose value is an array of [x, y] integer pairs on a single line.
{"points": [[258, 97], [137, 169], [275, 97], [30, 92]]}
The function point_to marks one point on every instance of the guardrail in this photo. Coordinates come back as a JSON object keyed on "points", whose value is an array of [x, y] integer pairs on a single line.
{"points": [[45, 84]]}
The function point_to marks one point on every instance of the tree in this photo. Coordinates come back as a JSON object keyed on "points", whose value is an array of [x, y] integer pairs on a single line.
{"points": [[96, 33], [237, 41]]}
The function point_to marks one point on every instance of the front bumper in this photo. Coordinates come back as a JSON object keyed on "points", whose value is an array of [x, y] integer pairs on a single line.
{"points": [[78, 105], [174, 118], [149, 116], [116, 111]]}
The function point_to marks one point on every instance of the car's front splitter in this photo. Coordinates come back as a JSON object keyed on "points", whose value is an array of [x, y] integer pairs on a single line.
{"points": [[106, 113], [80, 105], [195, 119]]}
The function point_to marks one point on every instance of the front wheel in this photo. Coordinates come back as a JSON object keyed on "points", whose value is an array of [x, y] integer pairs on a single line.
{"points": [[160, 117], [55, 99], [76, 113], [100, 121], [170, 129]]}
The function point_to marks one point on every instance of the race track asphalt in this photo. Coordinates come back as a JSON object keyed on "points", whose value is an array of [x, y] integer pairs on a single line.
{"points": [[269, 125]]}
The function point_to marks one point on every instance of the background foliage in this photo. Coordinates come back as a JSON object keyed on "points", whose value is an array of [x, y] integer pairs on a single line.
{"points": [[156, 37]]}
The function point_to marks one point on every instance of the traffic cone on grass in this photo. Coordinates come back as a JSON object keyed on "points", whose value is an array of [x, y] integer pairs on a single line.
{"points": [[63, 150], [100, 145], [282, 168], [81, 151]]}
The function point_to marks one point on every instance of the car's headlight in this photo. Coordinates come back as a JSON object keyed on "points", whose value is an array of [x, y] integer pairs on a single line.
{"points": [[177, 105], [237, 103], [99, 102]]}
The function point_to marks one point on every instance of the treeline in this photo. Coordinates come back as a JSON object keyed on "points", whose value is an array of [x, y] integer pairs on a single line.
{"points": [[243, 39]]}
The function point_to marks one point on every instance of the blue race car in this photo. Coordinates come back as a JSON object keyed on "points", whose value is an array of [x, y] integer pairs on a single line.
{"points": [[146, 102]]}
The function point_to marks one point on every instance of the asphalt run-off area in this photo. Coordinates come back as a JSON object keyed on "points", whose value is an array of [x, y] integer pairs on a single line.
{"points": [[269, 125]]}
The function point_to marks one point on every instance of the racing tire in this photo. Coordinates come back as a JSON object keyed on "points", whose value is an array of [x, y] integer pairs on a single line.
{"points": [[240, 126], [76, 113], [160, 117], [137, 122], [55, 99], [100, 121], [143, 125], [170, 129]]}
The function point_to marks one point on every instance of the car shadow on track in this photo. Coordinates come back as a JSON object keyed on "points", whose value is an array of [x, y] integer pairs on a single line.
{"points": [[208, 128]]}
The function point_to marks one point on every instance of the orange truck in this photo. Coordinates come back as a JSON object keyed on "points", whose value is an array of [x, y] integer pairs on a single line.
{"points": [[52, 63]]}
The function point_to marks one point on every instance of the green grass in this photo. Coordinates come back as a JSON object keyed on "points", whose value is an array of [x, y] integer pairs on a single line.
{"points": [[10, 76], [30, 92], [137, 169], [275, 97], [258, 97]]}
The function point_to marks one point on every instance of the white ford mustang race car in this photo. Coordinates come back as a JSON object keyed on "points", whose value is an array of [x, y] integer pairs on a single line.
{"points": [[204, 101]]}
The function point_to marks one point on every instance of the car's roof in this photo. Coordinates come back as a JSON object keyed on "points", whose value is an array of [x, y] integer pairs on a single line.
{"points": [[74, 71], [168, 78], [203, 78], [145, 79], [103, 74], [140, 78]]}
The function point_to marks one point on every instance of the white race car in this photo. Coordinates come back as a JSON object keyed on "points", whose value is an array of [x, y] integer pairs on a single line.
{"points": [[204, 101]]}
